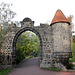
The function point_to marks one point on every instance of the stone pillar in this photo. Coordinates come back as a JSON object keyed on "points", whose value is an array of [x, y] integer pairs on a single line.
{"points": [[47, 45]]}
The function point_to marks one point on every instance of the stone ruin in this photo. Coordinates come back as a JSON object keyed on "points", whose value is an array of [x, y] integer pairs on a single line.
{"points": [[55, 42]]}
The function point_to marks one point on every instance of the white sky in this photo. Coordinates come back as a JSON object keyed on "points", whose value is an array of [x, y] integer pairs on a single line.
{"points": [[41, 11]]}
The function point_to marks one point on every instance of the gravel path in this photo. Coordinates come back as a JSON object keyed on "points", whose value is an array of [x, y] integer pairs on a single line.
{"points": [[31, 67]]}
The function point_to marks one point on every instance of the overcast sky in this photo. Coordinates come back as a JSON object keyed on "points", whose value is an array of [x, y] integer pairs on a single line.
{"points": [[41, 11]]}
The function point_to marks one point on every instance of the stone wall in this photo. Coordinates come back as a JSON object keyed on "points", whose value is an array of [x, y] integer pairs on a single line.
{"points": [[54, 43]]}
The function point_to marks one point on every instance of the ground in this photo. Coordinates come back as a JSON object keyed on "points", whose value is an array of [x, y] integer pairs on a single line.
{"points": [[31, 67]]}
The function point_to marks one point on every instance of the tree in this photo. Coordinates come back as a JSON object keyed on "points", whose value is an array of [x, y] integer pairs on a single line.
{"points": [[70, 18], [71, 26], [6, 14], [27, 45]]}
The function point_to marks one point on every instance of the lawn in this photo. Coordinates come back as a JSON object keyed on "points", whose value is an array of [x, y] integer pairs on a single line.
{"points": [[5, 71]]}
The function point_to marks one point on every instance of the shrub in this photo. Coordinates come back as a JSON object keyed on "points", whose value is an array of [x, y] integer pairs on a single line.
{"points": [[69, 66], [52, 68]]}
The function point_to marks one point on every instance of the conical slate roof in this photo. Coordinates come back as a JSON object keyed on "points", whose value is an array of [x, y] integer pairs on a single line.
{"points": [[59, 17]]}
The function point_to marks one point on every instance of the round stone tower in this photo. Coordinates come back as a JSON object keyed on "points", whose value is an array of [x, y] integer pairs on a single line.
{"points": [[61, 38]]}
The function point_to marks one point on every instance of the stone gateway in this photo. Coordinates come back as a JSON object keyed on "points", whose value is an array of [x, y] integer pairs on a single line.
{"points": [[55, 42]]}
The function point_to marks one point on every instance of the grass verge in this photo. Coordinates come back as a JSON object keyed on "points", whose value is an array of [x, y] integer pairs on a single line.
{"points": [[52, 68], [5, 71]]}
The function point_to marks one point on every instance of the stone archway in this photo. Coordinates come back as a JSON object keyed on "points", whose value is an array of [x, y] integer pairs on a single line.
{"points": [[15, 39], [53, 46]]}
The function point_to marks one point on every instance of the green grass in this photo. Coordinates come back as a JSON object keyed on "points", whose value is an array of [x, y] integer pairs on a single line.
{"points": [[5, 71], [52, 68], [28, 57]]}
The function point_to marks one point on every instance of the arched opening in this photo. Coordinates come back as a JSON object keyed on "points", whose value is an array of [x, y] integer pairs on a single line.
{"points": [[27, 46], [15, 41]]}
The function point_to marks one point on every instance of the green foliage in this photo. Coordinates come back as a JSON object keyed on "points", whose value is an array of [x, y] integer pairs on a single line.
{"points": [[6, 14], [74, 36], [73, 31], [69, 66], [73, 53], [73, 50], [28, 57], [5, 71], [71, 59], [52, 68], [1, 57], [2, 35], [27, 45]]}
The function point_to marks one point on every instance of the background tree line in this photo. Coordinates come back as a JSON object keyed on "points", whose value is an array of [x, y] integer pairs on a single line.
{"points": [[70, 18]]}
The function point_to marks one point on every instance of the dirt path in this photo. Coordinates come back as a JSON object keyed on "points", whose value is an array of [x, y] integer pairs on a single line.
{"points": [[31, 67]]}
